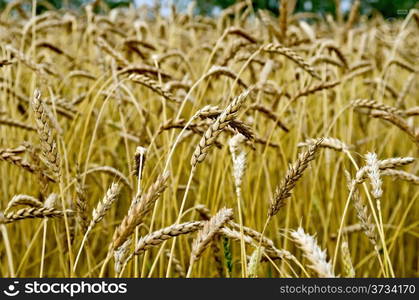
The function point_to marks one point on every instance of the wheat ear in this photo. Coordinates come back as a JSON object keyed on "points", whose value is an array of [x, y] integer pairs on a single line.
{"points": [[294, 173], [214, 130], [290, 54], [46, 136], [313, 253], [206, 235], [137, 213], [98, 213]]}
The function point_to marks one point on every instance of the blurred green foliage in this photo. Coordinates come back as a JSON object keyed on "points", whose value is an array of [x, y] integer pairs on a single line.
{"points": [[43, 5], [388, 8]]}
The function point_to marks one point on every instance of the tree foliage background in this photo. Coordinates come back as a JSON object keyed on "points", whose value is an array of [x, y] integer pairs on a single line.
{"points": [[57, 4], [388, 8]]}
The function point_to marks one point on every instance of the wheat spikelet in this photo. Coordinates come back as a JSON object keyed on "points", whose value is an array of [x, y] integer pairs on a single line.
{"points": [[327, 142], [402, 175], [14, 123], [316, 88], [290, 54], [239, 160], [234, 48], [294, 173], [235, 126], [10, 156], [348, 229], [154, 86], [177, 265], [40, 69], [33, 212], [139, 211], [242, 33], [111, 171], [394, 162], [120, 256], [254, 240], [283, 19], [254, 262], [207, 234], [98, 214], [251, 236], [313, 253], [373, 172], [400, 123], [385, 164], [217, 255], [220, 70], [214, 130], [104, 206], [364, 218], [48, 143], [104, 45], [23, 200], [347, 261], [145, 69], [81, 203], [203, 211], [158, 237], [51, 24], [371, 104], [267, 21], [331, 45], [141, 43]]}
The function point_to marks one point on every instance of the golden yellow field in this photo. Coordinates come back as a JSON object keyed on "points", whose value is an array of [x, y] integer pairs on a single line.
{"points": [[247, 145]]}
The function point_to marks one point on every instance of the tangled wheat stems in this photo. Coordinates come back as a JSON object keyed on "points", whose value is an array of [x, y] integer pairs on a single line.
{"points": [[128, 95]]}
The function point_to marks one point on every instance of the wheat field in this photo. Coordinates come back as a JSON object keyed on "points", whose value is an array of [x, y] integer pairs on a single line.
{"points": [[247, 145]]}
